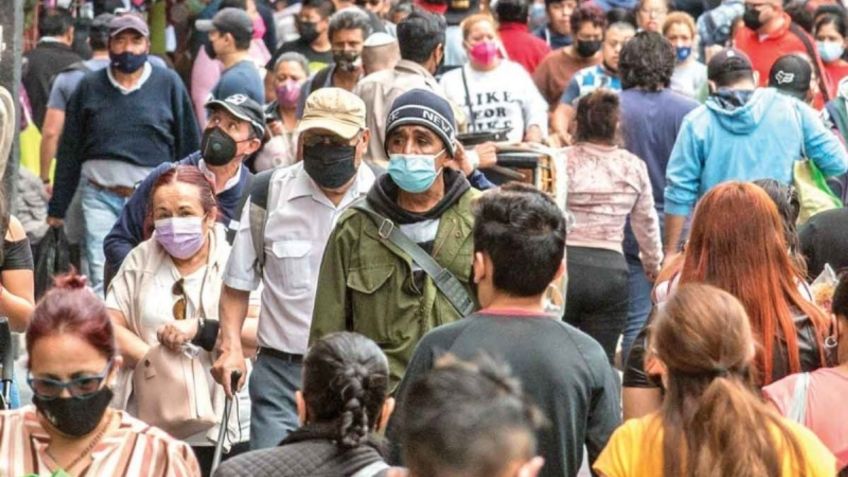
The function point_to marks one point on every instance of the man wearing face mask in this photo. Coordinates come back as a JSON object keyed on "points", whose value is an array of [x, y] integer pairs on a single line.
{"points": [[348, 30], [230, 32], [121, 123], [587, 25], [769, 34], [313, 23], [379, 283], [234, 130], [282, 249]]}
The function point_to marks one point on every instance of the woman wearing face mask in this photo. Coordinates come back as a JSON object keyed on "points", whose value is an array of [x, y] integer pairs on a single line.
{"points": [[831, 30], [496, 93], [289, 74], [822, 392], [555, 71], [690, 75], [710, 423], [73, 363], [343, 401], [167, 292]]}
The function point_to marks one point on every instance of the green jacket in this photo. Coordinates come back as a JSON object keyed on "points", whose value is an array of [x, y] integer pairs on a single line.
{"points": [[366, 285]]}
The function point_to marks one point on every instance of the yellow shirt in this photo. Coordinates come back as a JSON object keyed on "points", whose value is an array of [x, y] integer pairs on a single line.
{"points": [[635, 449]]}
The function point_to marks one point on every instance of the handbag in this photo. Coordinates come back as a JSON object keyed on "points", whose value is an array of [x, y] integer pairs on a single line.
{"points": [[172, 393], [814, 194]]}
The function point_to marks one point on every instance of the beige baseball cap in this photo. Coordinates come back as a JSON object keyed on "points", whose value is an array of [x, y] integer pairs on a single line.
{"points": [[333, 109]]}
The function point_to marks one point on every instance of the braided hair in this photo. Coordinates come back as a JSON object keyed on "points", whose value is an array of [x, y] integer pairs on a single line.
{"points": [[346, 382]]}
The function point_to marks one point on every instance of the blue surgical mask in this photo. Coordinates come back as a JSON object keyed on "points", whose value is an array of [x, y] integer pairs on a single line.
{"points": [[830, 50], [683, 53], [414, 173]]}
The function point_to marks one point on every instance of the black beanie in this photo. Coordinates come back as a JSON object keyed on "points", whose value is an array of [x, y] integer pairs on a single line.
{"points": [[424, 108]]}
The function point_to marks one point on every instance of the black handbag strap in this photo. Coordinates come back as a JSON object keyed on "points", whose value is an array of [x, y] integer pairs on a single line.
{"points": [[811, 52], [445, 281], [471, 124]]}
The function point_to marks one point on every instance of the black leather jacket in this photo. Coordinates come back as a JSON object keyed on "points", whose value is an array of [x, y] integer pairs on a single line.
{"points": [[808, 348]]}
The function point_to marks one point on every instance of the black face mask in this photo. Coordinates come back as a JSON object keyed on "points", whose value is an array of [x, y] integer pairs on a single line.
{"points": [[210, 51], [308, 31], [346, 60], [217, 147], [751, 18], [587, 48], [329, 166], [75, 416]]}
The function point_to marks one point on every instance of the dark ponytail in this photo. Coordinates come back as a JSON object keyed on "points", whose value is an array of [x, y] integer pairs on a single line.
{"points": [[346, 382]]}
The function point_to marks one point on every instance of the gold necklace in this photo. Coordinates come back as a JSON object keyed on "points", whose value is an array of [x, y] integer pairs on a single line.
{"points": [[85, 452]]}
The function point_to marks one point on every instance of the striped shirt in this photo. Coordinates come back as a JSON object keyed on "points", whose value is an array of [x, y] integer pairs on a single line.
{"points": [[133, 449]]}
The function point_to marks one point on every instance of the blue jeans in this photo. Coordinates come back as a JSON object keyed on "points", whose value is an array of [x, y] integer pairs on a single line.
{"points": [[101, 210], [273, 412], [640, 304]]}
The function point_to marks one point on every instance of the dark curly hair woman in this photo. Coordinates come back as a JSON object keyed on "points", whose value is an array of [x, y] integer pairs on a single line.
{"points": [[344, 400]]}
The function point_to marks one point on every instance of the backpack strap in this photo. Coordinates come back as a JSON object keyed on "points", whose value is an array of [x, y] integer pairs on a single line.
{"points": [[233, 226], [811, 52], [798, 406], [259, 189], [445, 281]]}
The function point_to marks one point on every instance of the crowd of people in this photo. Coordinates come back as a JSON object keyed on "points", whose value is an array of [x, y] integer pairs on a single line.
{"points": [[301, 251]]}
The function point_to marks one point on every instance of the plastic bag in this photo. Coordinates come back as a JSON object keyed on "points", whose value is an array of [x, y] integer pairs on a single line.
{"points": [[823, 287], [52, 258]]}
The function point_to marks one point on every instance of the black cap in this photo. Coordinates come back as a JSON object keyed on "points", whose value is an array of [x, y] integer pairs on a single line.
{"points": [[243, 108], [726, 61], [458, 10], [792, 75], [228, 20]]}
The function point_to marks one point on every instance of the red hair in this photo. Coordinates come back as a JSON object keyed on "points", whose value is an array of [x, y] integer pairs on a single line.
{"points": [[187, 175], [737, 244], [71, 308]]}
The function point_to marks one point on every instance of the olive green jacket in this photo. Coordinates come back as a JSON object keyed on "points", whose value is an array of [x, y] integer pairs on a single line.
{"points": [[366, 284]]}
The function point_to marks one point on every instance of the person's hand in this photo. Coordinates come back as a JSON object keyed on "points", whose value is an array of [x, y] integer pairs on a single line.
{"points": [[230, 360], [276, 128], [487, 153], [461, 161], [533, 134], [55, 222], [48, 188], [174, 334], [652, 274]]}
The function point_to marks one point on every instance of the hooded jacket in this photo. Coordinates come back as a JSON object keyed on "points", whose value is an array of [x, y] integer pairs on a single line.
{"points": [[760, 139]]}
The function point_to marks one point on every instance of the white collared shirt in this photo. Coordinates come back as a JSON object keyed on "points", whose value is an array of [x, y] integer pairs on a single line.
{"points": [[232, 182], [145, 75], [300, 220]]}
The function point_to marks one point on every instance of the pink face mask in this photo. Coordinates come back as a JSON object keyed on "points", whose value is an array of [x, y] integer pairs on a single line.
{"points": [[181, 237], [288, 93], [258, 27], [484, 53]]}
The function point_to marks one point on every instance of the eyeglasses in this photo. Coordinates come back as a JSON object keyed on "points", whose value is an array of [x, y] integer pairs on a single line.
{"points": [[654, 12], [81, 387], [179, 309]]}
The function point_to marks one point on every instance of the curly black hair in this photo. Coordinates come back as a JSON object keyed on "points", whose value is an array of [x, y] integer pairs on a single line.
{"points": [[646, 61]]}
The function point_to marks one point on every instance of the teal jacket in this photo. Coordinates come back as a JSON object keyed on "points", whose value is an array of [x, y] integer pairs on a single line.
{"points": [[758, 140]]}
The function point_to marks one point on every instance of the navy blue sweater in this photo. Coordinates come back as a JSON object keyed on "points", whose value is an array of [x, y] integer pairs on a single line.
{"points": [[128, 231], [147, 127]]}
